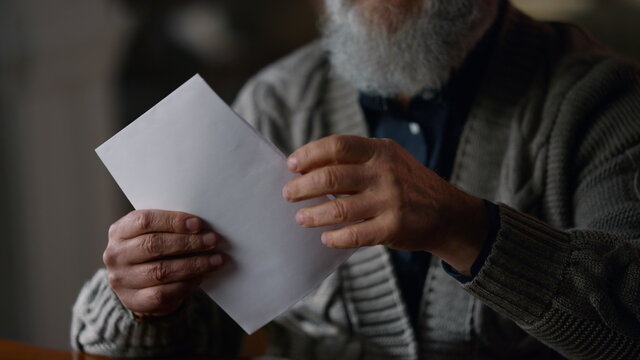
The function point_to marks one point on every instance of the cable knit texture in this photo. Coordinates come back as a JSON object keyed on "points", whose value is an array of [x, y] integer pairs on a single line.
{"points": [[553, 135]]}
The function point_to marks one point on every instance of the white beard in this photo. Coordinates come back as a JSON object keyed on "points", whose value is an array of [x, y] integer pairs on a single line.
{"points": [[418, 53]]}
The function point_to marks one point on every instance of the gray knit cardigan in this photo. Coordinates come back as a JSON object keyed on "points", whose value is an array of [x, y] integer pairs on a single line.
{"points": [[554, 136]]}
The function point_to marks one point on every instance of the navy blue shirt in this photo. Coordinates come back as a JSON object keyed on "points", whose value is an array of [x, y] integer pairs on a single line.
{"points": [[430, 128]]}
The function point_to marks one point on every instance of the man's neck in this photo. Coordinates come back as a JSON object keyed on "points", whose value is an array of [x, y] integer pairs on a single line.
{"points": [[404, 100]]}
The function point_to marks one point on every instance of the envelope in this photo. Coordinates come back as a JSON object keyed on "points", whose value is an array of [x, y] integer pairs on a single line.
{"points": [[192, 153]]}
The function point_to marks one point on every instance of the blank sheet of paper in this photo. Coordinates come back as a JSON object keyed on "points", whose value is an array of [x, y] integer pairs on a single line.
{"points": [[192, 153]]}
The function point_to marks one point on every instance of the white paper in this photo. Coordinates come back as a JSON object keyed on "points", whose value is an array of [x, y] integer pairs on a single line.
{"points": [[192, 153]]}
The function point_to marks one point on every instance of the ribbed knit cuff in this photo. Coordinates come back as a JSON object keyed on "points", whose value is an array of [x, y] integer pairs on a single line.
{"points": [[494, 226], [102, 325], [522, 274]]}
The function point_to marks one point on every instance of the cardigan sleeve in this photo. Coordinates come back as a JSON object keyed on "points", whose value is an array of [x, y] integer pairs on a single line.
{"points": [[102, 325], [578, 289]]}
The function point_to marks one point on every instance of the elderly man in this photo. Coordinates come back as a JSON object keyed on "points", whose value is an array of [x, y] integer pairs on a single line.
{"points": [[478, 105]]}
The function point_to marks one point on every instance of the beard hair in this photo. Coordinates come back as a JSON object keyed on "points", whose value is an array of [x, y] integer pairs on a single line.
{"points": [[407, 55]]}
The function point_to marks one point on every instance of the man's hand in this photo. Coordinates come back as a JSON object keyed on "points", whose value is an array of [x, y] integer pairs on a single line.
{"points": [[155, 259], [393, 199]]}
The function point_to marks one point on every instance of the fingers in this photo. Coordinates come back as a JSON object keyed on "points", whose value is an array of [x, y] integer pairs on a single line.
{"points": [[165, 271], [156, 258], [147, 221], [338, 211], [159, 300], [367, 233], [336, 179], [335, 149], [158, 245]]}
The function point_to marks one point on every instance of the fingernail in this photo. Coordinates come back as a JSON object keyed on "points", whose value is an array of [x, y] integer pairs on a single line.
{"points": [[301, 218], [210, 240], [292, 163], [215, 260], [325, 239], [192, 224], [285, 192]]}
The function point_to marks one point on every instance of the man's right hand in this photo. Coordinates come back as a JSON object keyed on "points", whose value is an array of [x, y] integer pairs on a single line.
{"points": [[155, 259]]}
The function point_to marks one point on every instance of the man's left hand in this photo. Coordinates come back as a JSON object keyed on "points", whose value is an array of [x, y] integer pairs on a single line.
{"points": [[394, 200]]}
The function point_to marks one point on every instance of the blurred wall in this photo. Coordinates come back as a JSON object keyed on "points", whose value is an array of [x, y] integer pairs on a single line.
{"points": [[56, 80], [10, 58], [612, 22]]}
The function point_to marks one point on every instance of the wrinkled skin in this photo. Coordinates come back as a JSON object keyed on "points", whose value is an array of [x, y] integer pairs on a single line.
{"points": [[393, 199], [155, 259]]}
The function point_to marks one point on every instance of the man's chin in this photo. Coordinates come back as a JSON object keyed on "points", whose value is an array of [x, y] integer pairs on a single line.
{"points": [[419, 53]]}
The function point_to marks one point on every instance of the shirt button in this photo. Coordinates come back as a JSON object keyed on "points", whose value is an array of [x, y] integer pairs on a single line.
{"points": [[414, 128]]}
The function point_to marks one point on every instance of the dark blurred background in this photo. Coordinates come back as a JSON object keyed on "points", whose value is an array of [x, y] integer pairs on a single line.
{"points": [[73, 72]]}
